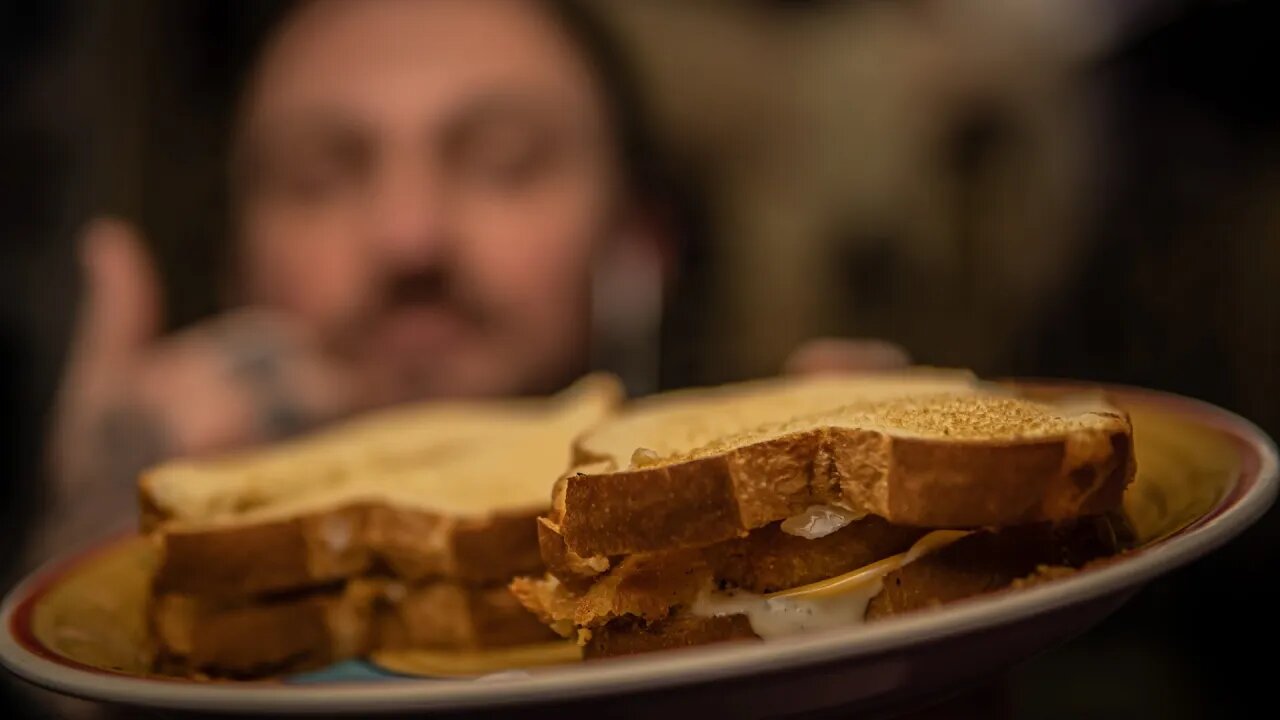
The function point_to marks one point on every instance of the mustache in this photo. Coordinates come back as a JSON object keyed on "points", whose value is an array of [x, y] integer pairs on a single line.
{"points": [[431, 287]]}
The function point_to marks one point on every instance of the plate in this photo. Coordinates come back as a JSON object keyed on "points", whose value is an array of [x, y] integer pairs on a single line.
{"points": [[76, 626]]}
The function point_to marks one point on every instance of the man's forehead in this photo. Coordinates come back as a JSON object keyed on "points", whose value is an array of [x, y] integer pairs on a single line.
{"points": [[378, 61]]}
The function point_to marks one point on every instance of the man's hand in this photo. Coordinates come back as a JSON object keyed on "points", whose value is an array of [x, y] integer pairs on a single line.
{"points": [[130, 397], [831, 355]]}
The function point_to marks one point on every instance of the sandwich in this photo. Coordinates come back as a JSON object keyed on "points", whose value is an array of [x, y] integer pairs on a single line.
{"points": [[770, 508], [394, 531]]}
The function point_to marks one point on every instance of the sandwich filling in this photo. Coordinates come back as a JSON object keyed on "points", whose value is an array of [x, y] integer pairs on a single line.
{"points": [[835, 602], [773, 583]]}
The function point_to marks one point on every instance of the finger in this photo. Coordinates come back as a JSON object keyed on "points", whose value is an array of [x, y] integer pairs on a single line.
{"points": [[120, 315], [276, 365], [831, 355]]}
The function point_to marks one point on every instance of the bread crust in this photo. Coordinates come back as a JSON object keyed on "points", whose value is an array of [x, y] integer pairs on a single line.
{"points": [[245, 544], [922, 482], [315, 549], [194, 636], [987, 562], [447, 615], [302, 631], [628, 637]]}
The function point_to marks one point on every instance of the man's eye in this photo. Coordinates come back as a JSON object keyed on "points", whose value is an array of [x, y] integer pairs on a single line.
{"points": [[508, 168], [312, 186], [517, 169], [507, 162], [307, 184]]}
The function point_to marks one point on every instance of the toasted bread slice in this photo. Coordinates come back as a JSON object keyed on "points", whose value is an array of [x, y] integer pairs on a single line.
{"points": [[987, 562], [449, 615], [679, 422], [315, 549], [390, 442], [768, 560], [765, 560], [650, 586], [629, 636], [961, 458], [460, 508], [196, 636], [265, 637]]}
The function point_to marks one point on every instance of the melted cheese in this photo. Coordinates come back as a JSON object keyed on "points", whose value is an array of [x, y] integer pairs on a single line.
{"points": [[835, 602]]}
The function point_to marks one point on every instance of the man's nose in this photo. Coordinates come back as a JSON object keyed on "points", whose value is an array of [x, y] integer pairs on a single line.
{"points": [[409, 215]]}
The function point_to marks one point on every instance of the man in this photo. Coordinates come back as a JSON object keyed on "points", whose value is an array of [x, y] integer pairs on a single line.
{"points": [[423, 195]]}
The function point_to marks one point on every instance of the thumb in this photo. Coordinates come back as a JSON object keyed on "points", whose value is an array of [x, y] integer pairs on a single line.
{"points": [[120, 314]]}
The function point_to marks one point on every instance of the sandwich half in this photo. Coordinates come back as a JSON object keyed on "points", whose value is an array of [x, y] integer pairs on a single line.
{"points": [[765, 509], [399, 530]]}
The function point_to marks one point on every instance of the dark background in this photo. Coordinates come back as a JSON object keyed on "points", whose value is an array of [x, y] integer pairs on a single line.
{"points": [[120, 107]]}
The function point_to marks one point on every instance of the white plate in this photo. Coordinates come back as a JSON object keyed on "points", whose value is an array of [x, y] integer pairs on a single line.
{"points": [[861, 668]]}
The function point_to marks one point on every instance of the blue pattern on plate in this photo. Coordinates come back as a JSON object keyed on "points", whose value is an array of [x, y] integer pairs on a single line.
{"points": [[345, 672]]}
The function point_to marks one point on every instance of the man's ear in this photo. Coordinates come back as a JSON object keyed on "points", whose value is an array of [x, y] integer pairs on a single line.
{"points": [[632, 272], [651, 229]]}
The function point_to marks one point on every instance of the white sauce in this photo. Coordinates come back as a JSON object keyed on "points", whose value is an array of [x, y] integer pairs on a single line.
{"points": [[837, 602], [644, 457], [819, 521], [773, 617]]}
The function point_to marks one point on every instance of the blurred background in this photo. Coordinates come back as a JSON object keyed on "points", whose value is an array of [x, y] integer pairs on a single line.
{"points": [[1049, 188]]}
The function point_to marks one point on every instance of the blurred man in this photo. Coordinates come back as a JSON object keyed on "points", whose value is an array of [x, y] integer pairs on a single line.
{"points": [[423, 193]]}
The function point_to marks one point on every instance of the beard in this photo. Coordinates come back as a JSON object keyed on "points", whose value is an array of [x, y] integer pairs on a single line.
{"points": [[417, 336]]}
